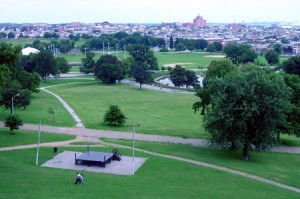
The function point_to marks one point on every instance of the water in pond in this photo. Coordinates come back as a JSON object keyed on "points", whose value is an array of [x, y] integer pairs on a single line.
{"points": [[167, 82]]}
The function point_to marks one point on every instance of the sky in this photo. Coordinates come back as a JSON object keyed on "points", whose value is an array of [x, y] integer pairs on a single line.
{"points": [[148, 11]]}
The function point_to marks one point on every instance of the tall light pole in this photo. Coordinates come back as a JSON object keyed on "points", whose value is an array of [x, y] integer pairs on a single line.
{"points": [[12, 103], [85, 51], [102, 48], [133, 132], [124, 51], [38, 145], [117, 51]]}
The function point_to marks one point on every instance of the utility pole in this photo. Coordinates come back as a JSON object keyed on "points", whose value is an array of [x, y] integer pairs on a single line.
{"points": [[133, 133]]}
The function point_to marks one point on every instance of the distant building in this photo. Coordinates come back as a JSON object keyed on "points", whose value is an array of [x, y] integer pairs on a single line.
{"points": [[199, 21]]}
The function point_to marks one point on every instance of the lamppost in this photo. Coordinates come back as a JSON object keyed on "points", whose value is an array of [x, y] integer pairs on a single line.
{"points": [[38, 144], [12, 103], [117, 51], [133, 132], [85, 52], [124, 51]]}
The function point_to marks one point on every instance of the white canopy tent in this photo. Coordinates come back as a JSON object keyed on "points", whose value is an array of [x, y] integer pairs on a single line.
{"points": [[28, 50]]}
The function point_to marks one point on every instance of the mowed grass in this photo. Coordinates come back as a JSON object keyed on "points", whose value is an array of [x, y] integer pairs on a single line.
{"points": [[40, 108], [280, 167], [197, 60], [22, 137], [157, 178], [156, 112]]}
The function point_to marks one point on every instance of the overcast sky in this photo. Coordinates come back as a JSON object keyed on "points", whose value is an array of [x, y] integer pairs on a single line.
{"points": [[148, 11]]}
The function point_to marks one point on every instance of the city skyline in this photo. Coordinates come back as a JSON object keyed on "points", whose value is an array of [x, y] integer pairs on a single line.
{"points": [[154, 11]]}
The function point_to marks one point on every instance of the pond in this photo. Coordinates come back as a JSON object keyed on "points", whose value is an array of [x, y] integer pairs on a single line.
{"points": [[167, 82]]}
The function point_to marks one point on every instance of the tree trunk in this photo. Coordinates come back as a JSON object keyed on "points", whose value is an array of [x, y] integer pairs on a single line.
{"points": [[246, 152], [278, 137], [233, 146], [140, 86]]}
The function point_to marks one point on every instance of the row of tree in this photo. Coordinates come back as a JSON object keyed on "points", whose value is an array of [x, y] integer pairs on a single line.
{"points": [[120, 40], [63, 45]]}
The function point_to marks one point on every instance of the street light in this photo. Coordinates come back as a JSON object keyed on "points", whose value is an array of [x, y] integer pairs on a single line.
{"points": [[133, 132], [38, 144], [12, 103], [124, 51]]}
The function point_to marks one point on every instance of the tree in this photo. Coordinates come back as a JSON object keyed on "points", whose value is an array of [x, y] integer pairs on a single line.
{"points": [[141, 73], [190, 78], [241, 54], [171, 42], [88, 63], [29, 81], [246, 109], [216, 69], [218, 46], [109, 69], [3, 35], [210, 48], [180, 47], [272, 57], [164, 50], [114, 116], [292, 65], [277, 48], [45, 64], [11, 35], [142, 53], [62, 64], [293, 118], [177, 76], [13, 122], [201, 44]]}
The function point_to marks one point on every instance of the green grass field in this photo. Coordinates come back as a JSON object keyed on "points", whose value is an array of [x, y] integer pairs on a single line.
{"points": [[156, 112], [197, 60], [269, 165], [41, 103], [157, 178], [22, 137]]}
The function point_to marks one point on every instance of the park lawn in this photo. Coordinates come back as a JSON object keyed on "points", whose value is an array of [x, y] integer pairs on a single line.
{"points": [[75, 69], [289, 140], [280, 167], [198, 60], [22, 137], [156, 112], [157, 178], [41, 104], [23, 42]]}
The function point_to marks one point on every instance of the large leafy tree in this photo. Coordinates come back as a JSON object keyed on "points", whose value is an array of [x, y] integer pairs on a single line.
{"points": [[272, 57], [241, 54], [109, 69], [216, 69], [15, 81], [177, 76], [142, 53], [62, 64], [88, 63], [141, 73], [191, 78], [292, 65], [293, 124], [246, 108], [45, 64]]}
